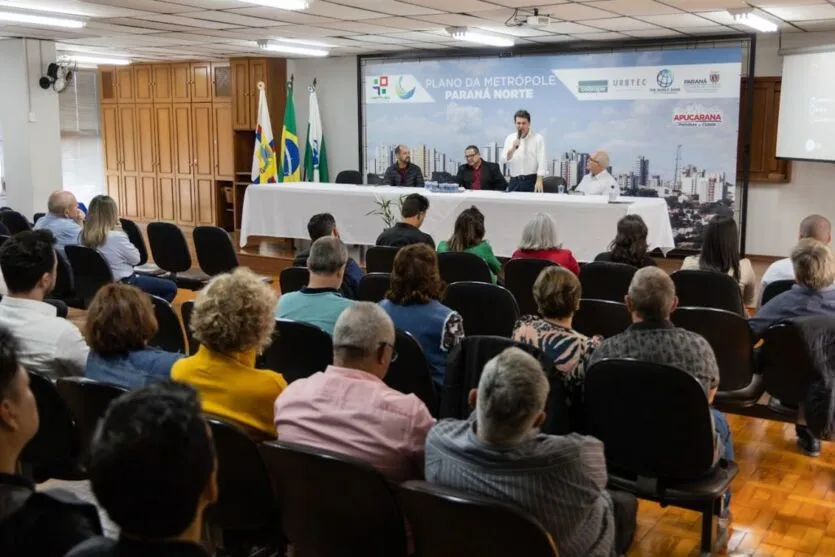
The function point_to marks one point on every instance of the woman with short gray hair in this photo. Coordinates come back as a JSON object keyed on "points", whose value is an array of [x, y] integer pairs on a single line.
{"points": [[540, 241]]}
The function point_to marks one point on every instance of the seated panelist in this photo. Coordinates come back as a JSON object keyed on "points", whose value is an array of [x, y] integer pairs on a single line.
{"points": [[479, 174]]}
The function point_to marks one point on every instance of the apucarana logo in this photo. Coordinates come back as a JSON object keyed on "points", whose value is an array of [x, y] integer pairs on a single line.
{"points": [[395, 88], [697, 115], [593, 86]]}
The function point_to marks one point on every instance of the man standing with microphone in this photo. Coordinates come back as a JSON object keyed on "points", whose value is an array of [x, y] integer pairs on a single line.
{"points": [[524, 152]]}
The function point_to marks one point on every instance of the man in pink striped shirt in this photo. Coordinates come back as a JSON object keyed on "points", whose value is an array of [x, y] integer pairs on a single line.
{"points": [[348, 409]]}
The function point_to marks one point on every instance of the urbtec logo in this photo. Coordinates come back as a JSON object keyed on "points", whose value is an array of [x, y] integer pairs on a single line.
{"points": [[698, 116], [665, 78]]}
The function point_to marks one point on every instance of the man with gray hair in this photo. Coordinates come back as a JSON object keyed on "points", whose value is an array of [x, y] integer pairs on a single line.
{"points": [[816, 227], [558, 479], [349, 409], [598, 181], [64, 219], [319, 303]]}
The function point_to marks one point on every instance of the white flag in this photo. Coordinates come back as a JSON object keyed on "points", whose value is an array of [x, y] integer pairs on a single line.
{"points": [[264, 163], [315, 154]]}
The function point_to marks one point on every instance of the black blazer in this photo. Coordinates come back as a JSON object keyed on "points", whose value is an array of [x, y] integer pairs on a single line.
{"points": [[491, 176]]}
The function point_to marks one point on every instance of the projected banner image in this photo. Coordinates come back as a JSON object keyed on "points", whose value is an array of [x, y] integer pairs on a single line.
{"points": [[668, 120]]}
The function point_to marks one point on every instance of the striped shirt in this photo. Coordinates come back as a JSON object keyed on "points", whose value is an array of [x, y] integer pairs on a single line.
{"points": [[558, 479]]}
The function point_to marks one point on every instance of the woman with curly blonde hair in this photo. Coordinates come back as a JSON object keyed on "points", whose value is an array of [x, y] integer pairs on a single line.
{"points": [[233, 321]]}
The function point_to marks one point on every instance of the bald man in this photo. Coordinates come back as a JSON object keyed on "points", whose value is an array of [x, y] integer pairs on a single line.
{"points": [[64, 219], [816, 227], [598, 181], [403, 173]]}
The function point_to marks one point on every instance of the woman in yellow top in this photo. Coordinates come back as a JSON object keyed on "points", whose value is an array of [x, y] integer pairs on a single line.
{"points": [[233, 320]]}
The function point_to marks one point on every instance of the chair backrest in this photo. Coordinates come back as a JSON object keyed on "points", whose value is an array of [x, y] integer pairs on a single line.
{"points": [[487, 309], [708, 289], [460, 266], [169, 247], [37, 216], [185, 311], [298, 350], [349, 177], [551, 184], [293, 279], [380, 259], [601, 317], [89, 270], [246, 500], [87, 401], [15, 222], [604, 280], [410, 373], [135, 236], [64, 286], [773, 289], [333, 505], [170, 335], [519, 276], [786, 364], [654, 420], [730, 337], [373, 287], [457, 524], [214, 249]]}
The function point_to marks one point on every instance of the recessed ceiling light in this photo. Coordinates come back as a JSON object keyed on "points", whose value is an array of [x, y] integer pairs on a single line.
{"points": [[89, 60], [17, 17], [271, 46], [748, 18], [479, 37], [303, 42]]}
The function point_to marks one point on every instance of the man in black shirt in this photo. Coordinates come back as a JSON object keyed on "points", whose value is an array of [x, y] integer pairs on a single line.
{"points": [[319, 226], [479, 174], [403, 172], [153, 469], [407, 232], [32, 523]]}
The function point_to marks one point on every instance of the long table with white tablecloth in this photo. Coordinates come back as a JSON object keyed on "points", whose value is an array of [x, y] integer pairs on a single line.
{"points": [[586, 223]]}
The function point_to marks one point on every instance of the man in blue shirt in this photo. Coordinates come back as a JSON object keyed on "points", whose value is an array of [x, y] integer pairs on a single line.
{"points": [[64, 219]]}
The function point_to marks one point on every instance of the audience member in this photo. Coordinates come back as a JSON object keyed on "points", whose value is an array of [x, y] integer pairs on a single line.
{"points": [[403, 172], [720, 253], [407, 232], [319, 303], [348, 409], [233, 321], [813, 226], [413, 305], [630, 244], [103, 232], [48, 344], [319, 226], [557, 293], [64, 219], [539, 241], [559, 479], [120, 322], [32, 523], [153, 469], [468, 236]]}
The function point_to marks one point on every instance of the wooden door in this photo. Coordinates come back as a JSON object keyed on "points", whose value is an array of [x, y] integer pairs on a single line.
{"points": [[764, 165], [162, 83], [167, 207], [240, 95], [204, 189], [202, 144], [148, 197], [183, 161], [201, 82], [129, 204], [112, 183], [127, 138], [223, 137], [110, 138], [257, 74], [185, 199], [164, 145], [181, 82], [144, 80], [221, 82], [107, 84], [146, 132], [125, 85]]}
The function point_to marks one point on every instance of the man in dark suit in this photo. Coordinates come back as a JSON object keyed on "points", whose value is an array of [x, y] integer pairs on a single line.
{"points": [[478, 174]]}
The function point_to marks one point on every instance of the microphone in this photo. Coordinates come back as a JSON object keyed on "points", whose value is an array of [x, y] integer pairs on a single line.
{"points": [[519, 134]]}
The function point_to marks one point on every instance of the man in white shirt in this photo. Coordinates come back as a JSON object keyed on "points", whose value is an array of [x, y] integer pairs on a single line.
{"points": [[813, 226], [524, 152], [598, 181], [48, 344]]}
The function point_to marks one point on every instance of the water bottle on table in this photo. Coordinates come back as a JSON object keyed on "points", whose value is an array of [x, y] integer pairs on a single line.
{"points": [[613, 193]]}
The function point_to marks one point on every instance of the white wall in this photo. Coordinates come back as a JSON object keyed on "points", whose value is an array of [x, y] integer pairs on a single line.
{"points": [[337, 92]]}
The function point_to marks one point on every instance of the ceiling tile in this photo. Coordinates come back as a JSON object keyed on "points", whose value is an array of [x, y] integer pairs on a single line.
{"points": [[603, 36], [515, 31], [821, 25], [498, 14], [785, 2], [525, 3], [460, 6], [712, 30], [453, 19], [553, 39], [569, 28], [151, 25], [803, 13], [705, 5], [145, 5], [414, 36], [620, 24], [72, 7], [379, 39], [575, 12], [634, 7], [282, 15], [229, 17], [355, 27], [337, 11], [110, 29], [678, 21], [300, 32], [391, 7], [652, 33], [403, 23], [213, 4], [186, 21]]}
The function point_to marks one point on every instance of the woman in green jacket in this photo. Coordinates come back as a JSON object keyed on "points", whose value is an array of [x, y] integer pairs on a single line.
{"points": [[469, 236]]}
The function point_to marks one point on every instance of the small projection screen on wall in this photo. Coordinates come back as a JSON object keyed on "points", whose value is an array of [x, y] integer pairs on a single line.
{"points": [[807, 106]]}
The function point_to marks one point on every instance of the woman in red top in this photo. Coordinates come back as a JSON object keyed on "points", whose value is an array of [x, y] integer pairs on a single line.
{"points": [[539, 241]]}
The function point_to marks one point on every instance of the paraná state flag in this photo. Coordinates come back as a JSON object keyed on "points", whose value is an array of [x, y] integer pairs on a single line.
{"points": [[315, 154]]}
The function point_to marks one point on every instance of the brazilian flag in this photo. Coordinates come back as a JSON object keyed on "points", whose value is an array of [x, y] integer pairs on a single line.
{"points": [[290, 167]]}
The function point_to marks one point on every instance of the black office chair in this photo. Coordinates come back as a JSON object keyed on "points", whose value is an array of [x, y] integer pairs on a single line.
{"points": [[551, 184], [411, 373], [298, 350], [15, 222], [774, 289], [90, 272], [655, 423], [380, 259], [334, 505], [603, 280], [460, 266], [87, 401], [214, 249], [373, 287], [708, 289], [293, 279], [55, 450], [349, 177], [169, 335], [135, 236], [487, 309], [185, 311], [786, 364], [601, 317], [519, 276], [457, 524], [171, 254], [246, 510], [64, 287], [37, 217]]}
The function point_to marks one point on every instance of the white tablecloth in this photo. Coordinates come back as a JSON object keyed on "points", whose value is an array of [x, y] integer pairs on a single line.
{"points": [[586, 223]]}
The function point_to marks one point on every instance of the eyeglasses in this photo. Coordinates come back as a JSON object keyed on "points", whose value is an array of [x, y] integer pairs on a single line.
{"points": [[595, 161], [393, 351], [381, 344], [470, 155]]}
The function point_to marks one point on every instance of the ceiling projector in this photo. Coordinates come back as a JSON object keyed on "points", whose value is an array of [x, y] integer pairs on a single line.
{"points": [[538, 21]]}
